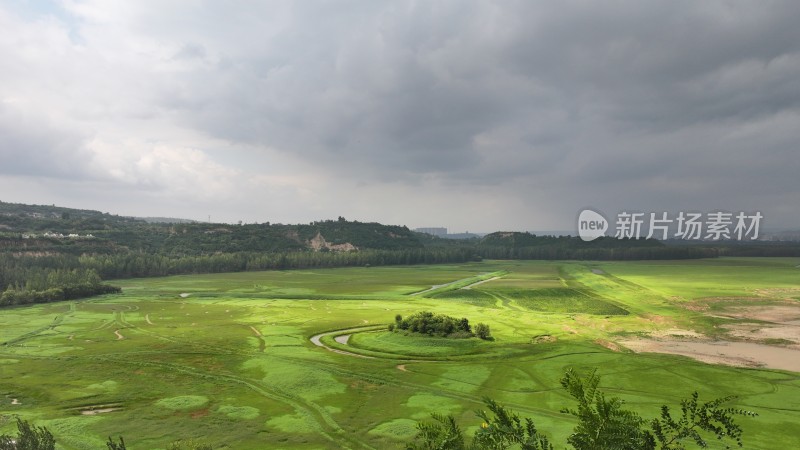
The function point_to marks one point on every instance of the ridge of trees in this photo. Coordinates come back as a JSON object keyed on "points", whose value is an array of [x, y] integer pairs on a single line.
{"points": [[39, 244]]}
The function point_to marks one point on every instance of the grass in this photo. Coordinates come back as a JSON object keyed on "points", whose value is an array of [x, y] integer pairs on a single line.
{"points": [[232, 362]]}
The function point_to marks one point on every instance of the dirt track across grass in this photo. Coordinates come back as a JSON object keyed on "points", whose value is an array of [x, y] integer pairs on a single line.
{"points": [[317, 340]]}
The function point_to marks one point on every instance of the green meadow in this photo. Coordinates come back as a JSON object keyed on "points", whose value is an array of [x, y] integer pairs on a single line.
{"points": [[228, 358]]}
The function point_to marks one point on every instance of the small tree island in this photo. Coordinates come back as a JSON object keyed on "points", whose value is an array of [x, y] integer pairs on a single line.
{"points": [[431, 324]]}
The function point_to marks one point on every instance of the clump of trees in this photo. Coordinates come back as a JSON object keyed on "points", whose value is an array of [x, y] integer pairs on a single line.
{"points": [[29, 437], [24, 286], [603, 423], [441, 325]]}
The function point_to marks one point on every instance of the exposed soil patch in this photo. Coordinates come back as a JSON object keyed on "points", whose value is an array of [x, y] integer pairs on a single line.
{"points": [[741, 354], [99, 409], [147, 319], [779, 292], [119, 335], [767, 313], [14, 401], [677, 332], [185, 294], [342, 339], [402, 368], [608, 344], [785, 334], [199, 413], [774, 323], [767, 334], [319, 242], [92, 412], [598, 272]]}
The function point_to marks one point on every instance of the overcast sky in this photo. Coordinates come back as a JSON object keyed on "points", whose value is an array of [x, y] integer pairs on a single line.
{"points": [[473, 115]]}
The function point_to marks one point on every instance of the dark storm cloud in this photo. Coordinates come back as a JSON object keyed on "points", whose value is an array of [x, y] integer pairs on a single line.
{"points": [[412, 87], [532, 106]]}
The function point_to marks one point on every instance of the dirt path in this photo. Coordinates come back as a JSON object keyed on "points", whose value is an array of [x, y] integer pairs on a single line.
{"points": [[437, 286], [342, 339], [504, 302], [317, 340], [434, 287], [470, 286], [147, 319], [119, 336], [262, 344]]}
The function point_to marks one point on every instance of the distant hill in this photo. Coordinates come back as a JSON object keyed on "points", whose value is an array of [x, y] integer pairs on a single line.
{"points": [[166, 220], [38, 230], [42, 228]]}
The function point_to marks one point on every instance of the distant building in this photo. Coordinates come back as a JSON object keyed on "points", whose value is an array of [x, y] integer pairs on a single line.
{"points": [[441, 232]]}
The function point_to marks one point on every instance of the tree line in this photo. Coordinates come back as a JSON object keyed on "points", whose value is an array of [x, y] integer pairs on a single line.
{"points": [[26, 279], [27, 285]]}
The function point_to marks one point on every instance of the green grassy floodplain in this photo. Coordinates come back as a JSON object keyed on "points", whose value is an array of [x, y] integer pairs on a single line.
{"points": [[231, 362]]}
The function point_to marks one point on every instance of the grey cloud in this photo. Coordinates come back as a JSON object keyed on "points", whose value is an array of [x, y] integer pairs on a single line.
{"points": [[31, 146], [558, 103]]}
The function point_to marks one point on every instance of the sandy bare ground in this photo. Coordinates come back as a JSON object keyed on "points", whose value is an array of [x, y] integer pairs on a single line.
{"points": [[747, 347], [92, 412], [258, 333], [776, 322], [342, 339], [185, 294], [676, 332], [14, 401], [119, 335], [742, 354], [147, 319], [470, 286], [768, 313], [402, 367]]}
